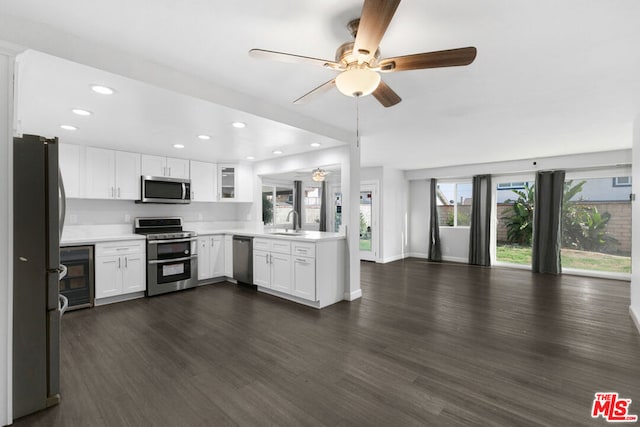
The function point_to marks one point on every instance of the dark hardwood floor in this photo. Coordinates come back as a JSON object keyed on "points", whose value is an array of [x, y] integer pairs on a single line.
{"points": [[428, 344]]}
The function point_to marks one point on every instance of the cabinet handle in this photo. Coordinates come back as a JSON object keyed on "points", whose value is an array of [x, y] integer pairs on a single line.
{"points": [[119, 260], [303, 261], [169, 172], [112, 192], [126, 262], [118, 192], [302, 251], [164, 171], [193, 195]]}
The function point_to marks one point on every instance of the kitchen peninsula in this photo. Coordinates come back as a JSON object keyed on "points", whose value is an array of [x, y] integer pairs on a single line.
{"points": [[306, 267]]}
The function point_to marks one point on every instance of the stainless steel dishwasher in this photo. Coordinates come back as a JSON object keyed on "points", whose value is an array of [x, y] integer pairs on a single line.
{"points": [[243, 259]]}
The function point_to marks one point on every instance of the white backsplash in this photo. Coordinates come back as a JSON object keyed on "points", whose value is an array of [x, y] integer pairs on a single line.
{"points": [[121, 213]]}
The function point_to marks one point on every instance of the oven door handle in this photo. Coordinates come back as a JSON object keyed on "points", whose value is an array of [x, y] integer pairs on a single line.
{"points": [[188, 239], [167, 261]]}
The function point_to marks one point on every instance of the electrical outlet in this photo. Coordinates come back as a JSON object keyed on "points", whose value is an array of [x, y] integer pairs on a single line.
{"points": [[127, 218], [73, 219]]}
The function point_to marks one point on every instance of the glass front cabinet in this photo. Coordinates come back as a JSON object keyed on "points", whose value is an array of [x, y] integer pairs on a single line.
{"points": [[227, 178]]}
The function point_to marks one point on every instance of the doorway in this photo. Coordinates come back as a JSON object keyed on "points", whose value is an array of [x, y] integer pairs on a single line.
{"points": [[369, 220]]}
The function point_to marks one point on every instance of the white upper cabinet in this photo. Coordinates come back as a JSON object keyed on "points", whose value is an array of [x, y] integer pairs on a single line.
{"points": [[203, 181], [112, 174], [101, 173], [227, 182], [235, 182], [164, 166], [70, 161], [127, 175], [178, 168]]}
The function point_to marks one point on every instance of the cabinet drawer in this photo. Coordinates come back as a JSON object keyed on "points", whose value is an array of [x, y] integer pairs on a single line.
{"points": [[281, 246], [261, 244], [305, 249], [119, 248]]}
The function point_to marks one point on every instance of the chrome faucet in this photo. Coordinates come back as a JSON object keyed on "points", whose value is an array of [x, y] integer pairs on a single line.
{"points": [[295, 218]]}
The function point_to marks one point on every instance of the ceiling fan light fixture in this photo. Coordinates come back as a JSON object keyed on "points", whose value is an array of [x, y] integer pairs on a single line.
{"points": [[318, 175], [357, 81]]}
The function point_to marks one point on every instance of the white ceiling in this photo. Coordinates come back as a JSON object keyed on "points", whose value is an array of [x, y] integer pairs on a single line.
{"points": [[144, 118], [550, 77]]}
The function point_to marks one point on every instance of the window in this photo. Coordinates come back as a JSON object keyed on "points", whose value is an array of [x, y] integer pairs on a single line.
{"points": [[596, 225], [514, 212], [622, 181], [511, 185], [454, 204], [277, 202], [311, 208]]}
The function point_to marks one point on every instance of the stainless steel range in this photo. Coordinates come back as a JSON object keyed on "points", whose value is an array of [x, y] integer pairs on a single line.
{"points": [[172, 259]]}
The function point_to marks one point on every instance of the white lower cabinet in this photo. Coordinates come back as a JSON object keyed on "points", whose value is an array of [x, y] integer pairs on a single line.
{"points": [[280, 272], [228, 255], [119, 268], [304, 278], [274, 267], [272, 270], [261, 269], [211, 257]]}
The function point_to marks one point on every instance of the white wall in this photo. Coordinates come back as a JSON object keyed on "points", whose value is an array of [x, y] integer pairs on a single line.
{"points": [[419, 216], [575, 161], [394, 221], [100, 212], [634, 309], [6, 239]]}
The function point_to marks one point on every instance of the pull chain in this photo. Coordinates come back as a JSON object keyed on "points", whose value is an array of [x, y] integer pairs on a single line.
{"points": [[357, 121]]}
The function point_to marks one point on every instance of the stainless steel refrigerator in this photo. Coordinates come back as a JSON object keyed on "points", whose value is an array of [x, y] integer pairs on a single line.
{"points": [[37, 221]]}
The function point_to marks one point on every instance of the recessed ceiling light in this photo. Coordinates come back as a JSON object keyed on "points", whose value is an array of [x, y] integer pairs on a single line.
{"points": [[315, 144], [250, 158], [102, 90], [81, 112], [277, 151], [178, 146], [205, 137], [68, 127], [238, 125]]}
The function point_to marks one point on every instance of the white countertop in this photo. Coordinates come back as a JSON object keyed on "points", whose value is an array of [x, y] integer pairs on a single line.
{"points": [[92, 234]]}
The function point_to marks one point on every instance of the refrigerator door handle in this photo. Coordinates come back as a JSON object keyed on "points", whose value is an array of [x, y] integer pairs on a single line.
{"points": [[62, 271], [63, 201], [63, 304]]}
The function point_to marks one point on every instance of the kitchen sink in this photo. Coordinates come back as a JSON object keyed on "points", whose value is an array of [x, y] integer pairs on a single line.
{"points": [[288, 233]]}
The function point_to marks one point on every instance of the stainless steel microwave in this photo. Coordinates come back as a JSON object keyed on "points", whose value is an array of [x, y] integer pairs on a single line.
{"points": [[160, 189]]}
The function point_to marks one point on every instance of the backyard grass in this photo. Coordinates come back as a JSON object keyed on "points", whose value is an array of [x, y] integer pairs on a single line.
{"points": [[365, 245], [570, 259]]}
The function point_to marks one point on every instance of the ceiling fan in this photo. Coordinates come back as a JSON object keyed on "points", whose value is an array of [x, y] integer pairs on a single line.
{"points": [[359, 62]]}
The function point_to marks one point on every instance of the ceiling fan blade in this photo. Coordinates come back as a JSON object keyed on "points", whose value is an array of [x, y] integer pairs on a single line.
{"points": [[385, 95], [374, 20], [418, 61], [325, 87], [292, 59]]}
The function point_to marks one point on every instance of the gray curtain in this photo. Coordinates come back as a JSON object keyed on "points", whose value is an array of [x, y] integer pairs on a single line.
{"points": [[323, 207], [297, 201], [480, 232], [547, 220], [435, 253]]}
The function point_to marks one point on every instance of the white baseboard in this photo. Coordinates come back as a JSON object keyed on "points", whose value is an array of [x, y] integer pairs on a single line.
{"points": [[635, 317], [352, 296], [392, 258], [418, 255], [455, 259], [118, 298]]}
